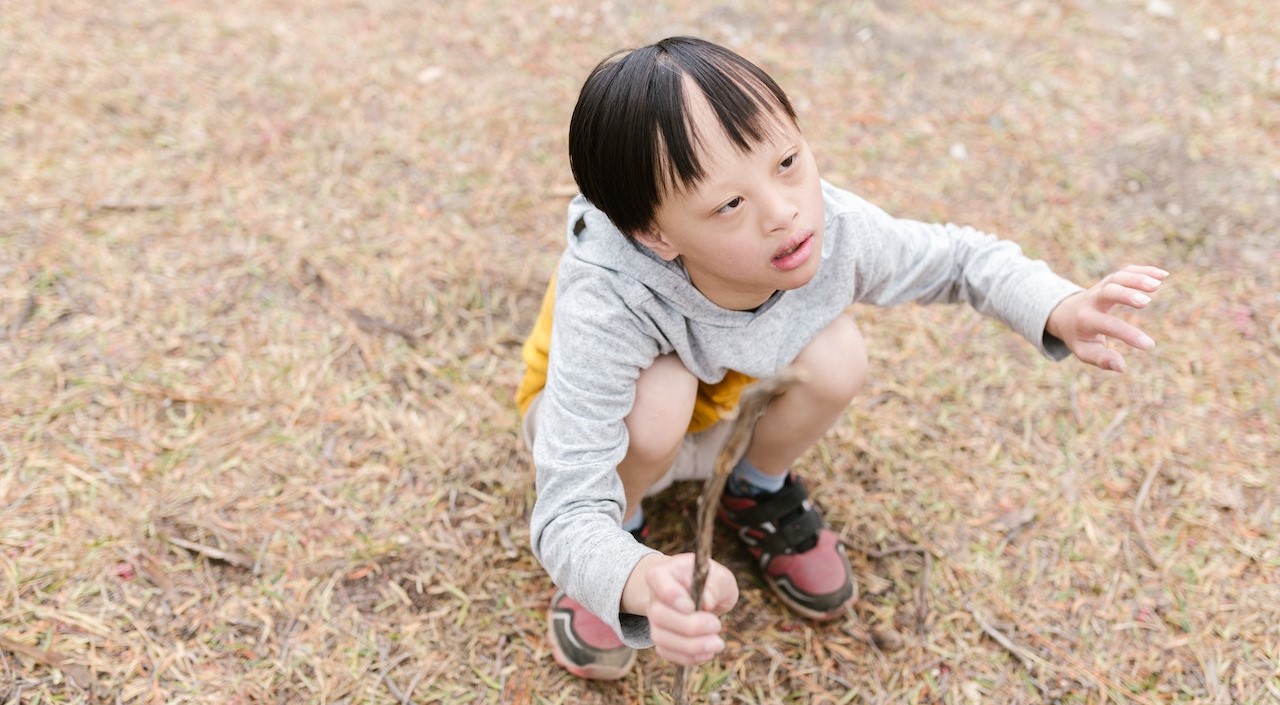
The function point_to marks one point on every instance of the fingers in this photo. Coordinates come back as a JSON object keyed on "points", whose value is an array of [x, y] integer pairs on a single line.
{"points": [[1113, 293], [1097, 323], [680, 633], [671, 585], [1084, 322], [1146, 270], [1136, 280], [1096, 327], [1096, 353], [1130, 286], [721, 591], [684, 637], [683, 625], [686, 653]]}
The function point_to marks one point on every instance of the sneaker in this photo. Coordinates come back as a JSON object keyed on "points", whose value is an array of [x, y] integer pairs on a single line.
{"points": [[582, 643], [801, 558]]}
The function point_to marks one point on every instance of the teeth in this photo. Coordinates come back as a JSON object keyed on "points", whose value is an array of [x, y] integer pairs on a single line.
{"points": [[789, 250]]}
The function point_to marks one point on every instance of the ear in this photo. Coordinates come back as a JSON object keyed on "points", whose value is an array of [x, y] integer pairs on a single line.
{"points": [[659, 245]]}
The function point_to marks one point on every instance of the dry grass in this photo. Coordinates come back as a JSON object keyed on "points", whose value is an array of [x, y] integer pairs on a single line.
{"points": [[264, 271]]}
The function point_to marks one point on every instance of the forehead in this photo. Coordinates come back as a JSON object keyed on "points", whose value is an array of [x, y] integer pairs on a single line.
{"points": [[711, 142]]}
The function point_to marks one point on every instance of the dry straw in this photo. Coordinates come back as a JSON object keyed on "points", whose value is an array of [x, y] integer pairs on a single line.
{"points": [[265, 268]]}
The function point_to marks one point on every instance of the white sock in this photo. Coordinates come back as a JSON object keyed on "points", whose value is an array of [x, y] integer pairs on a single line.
{"points": [[636, 521]]}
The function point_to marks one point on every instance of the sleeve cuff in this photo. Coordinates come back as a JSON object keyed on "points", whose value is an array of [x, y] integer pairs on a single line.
{"points": [[633, 629], [1033, 317]]}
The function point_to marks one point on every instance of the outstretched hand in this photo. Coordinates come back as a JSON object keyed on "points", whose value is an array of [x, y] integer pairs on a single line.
{"points": [[1084, 320]]}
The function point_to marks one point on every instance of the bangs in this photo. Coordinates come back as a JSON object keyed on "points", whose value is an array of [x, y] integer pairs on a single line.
{"points": [[749, 108], [632, 140]]}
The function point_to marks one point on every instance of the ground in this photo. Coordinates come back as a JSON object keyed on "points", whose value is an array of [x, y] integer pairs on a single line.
{"points": [[265, 268]]}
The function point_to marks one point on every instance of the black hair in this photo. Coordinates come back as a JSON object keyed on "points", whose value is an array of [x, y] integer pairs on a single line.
{"points": [[631, 139]]}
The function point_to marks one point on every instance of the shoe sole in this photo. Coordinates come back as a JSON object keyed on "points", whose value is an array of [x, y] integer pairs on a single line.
{"points": [[589, 672], [808, 612]]}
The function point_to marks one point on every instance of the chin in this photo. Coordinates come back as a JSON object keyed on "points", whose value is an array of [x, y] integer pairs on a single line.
{"points": [[799, 280]]}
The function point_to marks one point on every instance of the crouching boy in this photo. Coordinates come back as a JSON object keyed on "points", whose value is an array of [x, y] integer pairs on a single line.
{"points": [[704, 252]]}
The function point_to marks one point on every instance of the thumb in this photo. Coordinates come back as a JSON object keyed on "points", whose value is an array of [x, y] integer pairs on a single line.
{"points": [[721, 592], [1099, 355]]}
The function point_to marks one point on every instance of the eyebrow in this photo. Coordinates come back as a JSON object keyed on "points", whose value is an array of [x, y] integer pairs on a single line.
{"points": [[792, 145]]}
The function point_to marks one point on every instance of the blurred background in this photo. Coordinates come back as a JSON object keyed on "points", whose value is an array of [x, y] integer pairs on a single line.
{"points": [[265, 268]]}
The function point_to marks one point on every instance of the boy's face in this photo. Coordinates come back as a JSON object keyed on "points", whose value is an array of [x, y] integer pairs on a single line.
{"points": [[754, 225]]}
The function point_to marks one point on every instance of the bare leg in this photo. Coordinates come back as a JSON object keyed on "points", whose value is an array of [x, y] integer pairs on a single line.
{"points": [[656, 425], [836, 366]]}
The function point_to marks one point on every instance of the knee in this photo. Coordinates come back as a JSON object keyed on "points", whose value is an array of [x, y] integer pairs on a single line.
{"points": [[659, 418], [836, 362]]}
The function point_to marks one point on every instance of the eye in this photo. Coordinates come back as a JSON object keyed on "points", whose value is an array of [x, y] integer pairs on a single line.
{"points": [[788, 162], [730, 206]]}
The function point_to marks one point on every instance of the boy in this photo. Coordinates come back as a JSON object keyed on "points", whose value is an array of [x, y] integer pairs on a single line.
{"points": [[705, 252]]}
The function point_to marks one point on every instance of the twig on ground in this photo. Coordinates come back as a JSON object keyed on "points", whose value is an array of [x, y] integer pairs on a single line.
{"points": [[1066, 663], [498, 660], [922, 596], [128, 206], [262, 550], [407, 698], [153, 571], [1271, 688], [384, 673], [922, 588], [1136, 516], [373, 324], [233, 558], [24, 314], [901, 548], [77, 673], [1029, 661], [1108, 434], [1076, 414], [752, 405]]}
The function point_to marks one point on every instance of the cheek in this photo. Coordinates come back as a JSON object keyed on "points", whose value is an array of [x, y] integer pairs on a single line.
{"points": [[815, 201]]}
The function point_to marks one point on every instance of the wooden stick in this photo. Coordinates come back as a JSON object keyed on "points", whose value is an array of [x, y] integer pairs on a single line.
{"points": [[1136, 516], [752, 405], [1029, 660]]}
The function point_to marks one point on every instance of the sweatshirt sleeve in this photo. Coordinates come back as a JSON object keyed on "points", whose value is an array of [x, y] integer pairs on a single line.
{"points": [[598, 350], [903, 260]]}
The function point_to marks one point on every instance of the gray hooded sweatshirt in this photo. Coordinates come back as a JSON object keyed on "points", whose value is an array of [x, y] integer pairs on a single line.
{"points": [[618, 307]]}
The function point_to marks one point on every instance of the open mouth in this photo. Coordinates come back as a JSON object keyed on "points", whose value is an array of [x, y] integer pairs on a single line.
{"points": [[795, 254], [790, 250]]}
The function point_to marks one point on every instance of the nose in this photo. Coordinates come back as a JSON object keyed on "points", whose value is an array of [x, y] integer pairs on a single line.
{"points": [[780, 210]]}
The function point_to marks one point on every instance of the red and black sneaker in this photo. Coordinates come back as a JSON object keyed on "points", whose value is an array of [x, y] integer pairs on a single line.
{"points": [[583, 644], [801, 558]]}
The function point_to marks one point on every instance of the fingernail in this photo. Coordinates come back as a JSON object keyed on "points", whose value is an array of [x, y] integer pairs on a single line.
{"points": [[719, 645], [1151, 282], [685, 604], [1141, 299], [1117, 365], [1147, 342]]}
